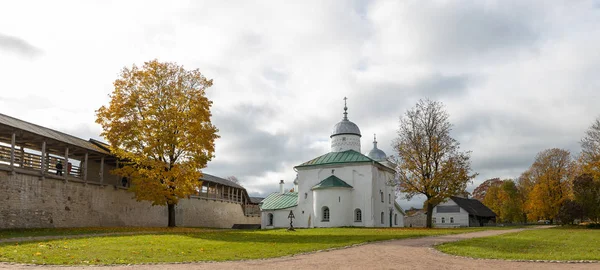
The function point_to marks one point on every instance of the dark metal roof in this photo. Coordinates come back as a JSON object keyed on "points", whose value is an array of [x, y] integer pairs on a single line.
{"points": [[473, 206], [256, 200], [211, 178], [49, 133]]}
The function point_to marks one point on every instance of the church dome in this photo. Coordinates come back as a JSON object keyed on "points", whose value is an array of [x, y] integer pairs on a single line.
{"points": [[376, 153], [345, 126]]}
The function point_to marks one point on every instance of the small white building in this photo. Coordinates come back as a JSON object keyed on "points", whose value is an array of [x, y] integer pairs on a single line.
{"points": [[462, 212], [340, 188]]}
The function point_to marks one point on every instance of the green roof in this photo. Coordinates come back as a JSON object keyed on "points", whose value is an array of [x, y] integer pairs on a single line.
{"points": [[348, 156], [331, 181], [279, 201]]}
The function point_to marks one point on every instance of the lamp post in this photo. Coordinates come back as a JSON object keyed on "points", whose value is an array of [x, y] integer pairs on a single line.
{"points": [[291, 217]]}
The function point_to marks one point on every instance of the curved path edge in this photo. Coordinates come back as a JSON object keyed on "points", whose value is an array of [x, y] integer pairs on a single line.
{"points": [[413, 253]]}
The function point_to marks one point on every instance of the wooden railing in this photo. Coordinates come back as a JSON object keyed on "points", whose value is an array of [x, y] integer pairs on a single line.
{"points": [[33, 161]]}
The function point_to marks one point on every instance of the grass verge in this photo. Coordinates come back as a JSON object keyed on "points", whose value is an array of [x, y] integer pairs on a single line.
{"points": [[188, 245], [16, 233], [560, 243]]}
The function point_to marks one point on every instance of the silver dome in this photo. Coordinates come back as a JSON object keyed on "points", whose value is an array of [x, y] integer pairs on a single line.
{"points": [[376, 153], [345, 127]]}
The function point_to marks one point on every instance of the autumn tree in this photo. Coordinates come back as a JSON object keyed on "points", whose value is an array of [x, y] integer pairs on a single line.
{"points": [[504, 199], [429, 161], [590, 150], [569, 211], [586, 192], [549, 178], [481, 190], [158, 122]]}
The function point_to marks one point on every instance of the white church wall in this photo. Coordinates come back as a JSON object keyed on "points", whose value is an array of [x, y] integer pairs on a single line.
{"points": [[345, 142], [367, 181], [384, 198], [338, 201], [358, 176], [460, 218], [280, 218]]}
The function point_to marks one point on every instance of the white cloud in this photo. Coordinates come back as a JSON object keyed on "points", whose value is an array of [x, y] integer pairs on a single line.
{"points": [[516, 77]]}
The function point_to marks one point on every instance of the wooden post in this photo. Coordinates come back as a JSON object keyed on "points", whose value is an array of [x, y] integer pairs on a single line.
{"points": [[86, 166], [65, 168], [239, 198], [43, 159], [22, 161], [229, 193], [222, 192], [102, 170], [13, 140]]}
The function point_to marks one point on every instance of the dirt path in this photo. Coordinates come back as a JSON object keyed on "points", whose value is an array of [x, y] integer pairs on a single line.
{"points": [[395, 254]]}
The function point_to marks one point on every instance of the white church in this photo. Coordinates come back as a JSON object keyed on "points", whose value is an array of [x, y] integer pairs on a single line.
{"points": [[341, 188]]}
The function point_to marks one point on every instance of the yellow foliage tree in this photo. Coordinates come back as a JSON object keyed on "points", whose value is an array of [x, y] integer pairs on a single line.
{"points": [[549, 179], [158, 122], [504, 199], [429, 161]]}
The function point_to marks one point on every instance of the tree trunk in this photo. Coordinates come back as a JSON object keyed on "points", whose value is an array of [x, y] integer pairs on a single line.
{"points": [[429, 215], [171, 208]]}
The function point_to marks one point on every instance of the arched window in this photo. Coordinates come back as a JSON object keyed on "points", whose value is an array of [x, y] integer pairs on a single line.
{"points": [[390, 198], [381, 192], [451, 219], [382, 218], [357, 215], [443, 220], [395, 219], [270, 221], [325, 213]]}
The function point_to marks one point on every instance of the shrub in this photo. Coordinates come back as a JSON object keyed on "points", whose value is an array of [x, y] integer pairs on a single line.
{"points": [[593, 226]]}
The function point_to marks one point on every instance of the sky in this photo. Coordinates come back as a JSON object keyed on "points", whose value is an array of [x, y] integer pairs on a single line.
{"points": [[516, 77]]}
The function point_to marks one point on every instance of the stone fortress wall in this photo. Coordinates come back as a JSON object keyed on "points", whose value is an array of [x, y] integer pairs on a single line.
{"points": [[29, 201]]}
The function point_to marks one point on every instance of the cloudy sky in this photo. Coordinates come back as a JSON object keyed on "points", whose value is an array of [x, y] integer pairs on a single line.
{"points": [[517, 77]]}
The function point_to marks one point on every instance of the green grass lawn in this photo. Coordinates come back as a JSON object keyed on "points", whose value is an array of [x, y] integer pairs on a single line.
{"points": [[190, 244], [14, 233], [560, 243]]}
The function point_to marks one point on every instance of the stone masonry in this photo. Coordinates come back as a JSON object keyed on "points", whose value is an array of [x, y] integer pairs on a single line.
{"points": [[28, 201]]}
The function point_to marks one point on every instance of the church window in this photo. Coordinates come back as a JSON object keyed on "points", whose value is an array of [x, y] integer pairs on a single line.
{"points": [[357, 215], [382, 218], [395, 219], [451, 219], [305, 195], [433, 220], [390, 198], [325, 213], [443, 220], [270, 221], [381, 192]]}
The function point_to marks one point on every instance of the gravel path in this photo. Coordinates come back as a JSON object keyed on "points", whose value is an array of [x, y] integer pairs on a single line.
{"points": [[396, 254]]}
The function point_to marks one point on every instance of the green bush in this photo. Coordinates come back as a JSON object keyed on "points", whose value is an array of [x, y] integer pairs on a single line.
{"points": [[593, 226]]}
